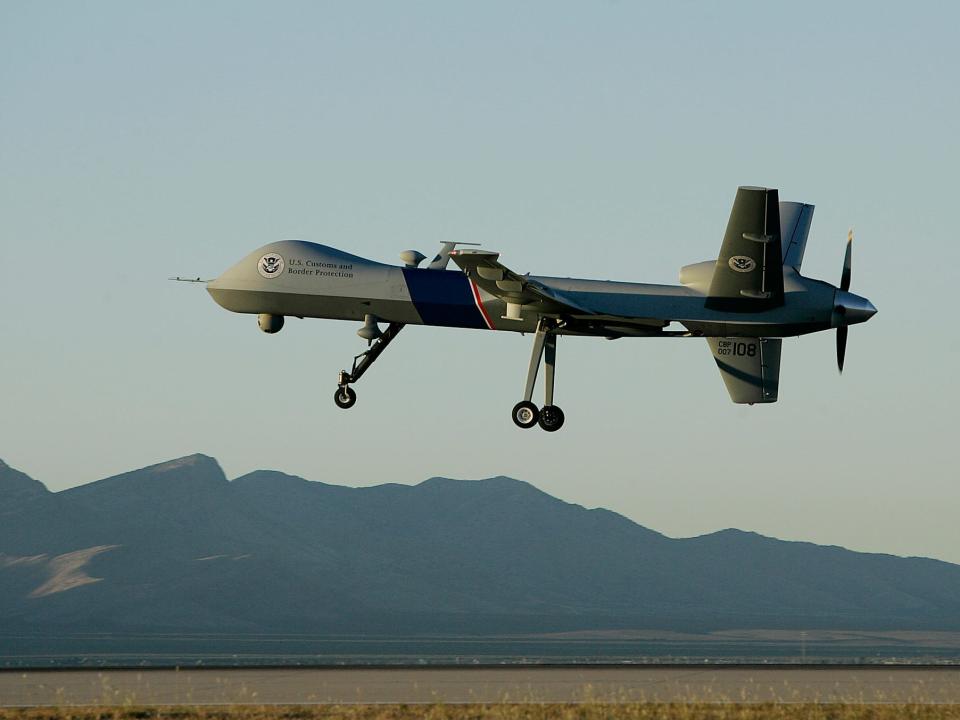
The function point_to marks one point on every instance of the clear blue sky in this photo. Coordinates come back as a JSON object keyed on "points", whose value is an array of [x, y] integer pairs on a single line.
{"points": [[142, 140]]}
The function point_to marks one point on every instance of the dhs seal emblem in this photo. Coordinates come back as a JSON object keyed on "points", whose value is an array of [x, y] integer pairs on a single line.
{"points": [[742, 263], [270, 265]]}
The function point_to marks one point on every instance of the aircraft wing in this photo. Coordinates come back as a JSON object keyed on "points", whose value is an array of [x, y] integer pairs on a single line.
{"points": [[484, 268], [750, 367], [749, 272]]}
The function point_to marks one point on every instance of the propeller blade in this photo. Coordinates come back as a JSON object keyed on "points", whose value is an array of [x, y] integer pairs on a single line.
{"points": [[841, 346], [845, 277]]}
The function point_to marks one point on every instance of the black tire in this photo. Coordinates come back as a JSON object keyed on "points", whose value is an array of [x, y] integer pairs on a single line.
{"points": [[551, 418], [525, 414], [345, 397]]}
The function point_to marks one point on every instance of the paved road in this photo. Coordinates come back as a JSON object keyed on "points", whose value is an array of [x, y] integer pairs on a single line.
{"points": [[488, 685]]}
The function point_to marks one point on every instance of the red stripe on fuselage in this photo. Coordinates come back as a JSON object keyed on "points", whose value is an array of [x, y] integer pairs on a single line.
{"points": [[480, 307]]}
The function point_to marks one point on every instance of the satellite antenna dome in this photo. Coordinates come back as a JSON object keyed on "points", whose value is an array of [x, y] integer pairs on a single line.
{"points": [[412, 258]]}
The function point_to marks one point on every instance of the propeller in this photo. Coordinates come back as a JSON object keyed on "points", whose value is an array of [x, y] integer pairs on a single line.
{"points": [[845, 286], [848, 309], [845, 277], [841, 346]]}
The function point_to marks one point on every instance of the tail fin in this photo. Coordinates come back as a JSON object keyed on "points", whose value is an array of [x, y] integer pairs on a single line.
{"points": [[749, 272], [750, 367], [795, 219]]}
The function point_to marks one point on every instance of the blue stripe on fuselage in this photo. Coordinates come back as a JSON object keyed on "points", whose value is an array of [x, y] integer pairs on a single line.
{"points": [[443, 297]]}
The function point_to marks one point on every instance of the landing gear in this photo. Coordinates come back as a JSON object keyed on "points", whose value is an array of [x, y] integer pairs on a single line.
{"points": [[551, 418], [345, 397], [525, 413]]}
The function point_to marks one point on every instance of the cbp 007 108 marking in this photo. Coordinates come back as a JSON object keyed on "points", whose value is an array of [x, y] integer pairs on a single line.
{"points": [[740, 349]]}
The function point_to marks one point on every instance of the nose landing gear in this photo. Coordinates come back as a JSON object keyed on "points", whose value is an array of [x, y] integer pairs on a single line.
{"points": [[525, 414], [345, 397]]}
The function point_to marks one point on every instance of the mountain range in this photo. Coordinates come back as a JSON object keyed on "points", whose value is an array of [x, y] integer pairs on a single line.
{"points": [[177, 547]]}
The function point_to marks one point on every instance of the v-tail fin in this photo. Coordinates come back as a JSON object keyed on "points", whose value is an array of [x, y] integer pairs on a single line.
{"points": [[750, 367]]}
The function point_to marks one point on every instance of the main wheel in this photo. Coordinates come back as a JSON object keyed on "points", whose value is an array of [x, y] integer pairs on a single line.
{"points": [[551, 418], [345, 397], [525, 414]]}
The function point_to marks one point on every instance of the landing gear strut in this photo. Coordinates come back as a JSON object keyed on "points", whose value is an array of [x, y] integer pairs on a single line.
{"points": [[345, 396], [525, 414]]}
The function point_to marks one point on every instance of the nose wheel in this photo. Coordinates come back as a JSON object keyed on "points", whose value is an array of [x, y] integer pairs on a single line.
{"points": [[345, 397], [525, 414]]}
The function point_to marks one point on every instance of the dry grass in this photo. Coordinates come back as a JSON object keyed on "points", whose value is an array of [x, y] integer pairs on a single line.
{"points": [[592, 711]]}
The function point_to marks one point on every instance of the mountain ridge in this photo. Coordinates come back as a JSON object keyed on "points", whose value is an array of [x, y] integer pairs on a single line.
{"points": [[255, 477], [16, 486], [181, 547]]}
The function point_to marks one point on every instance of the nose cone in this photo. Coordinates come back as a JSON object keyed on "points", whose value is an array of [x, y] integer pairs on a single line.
{"points": [[215, 288], [852, 309]]}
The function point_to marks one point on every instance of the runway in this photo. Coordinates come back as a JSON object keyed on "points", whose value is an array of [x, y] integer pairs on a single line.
{"points": [[870, 684]]}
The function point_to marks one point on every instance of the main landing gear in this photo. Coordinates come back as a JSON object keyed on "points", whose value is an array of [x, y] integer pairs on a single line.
{"points": [[525, 414], [345, 396]]}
